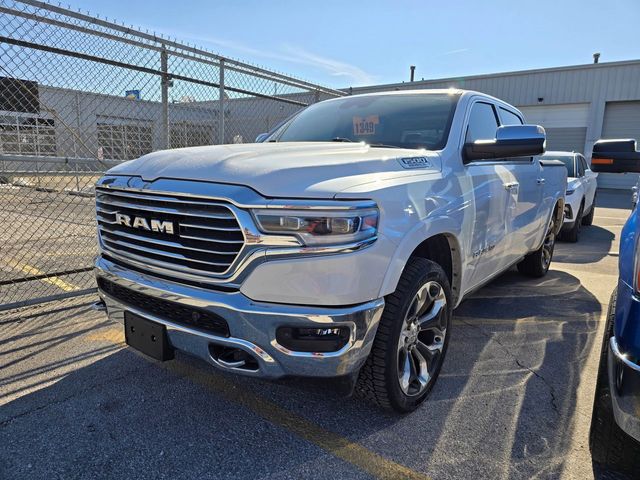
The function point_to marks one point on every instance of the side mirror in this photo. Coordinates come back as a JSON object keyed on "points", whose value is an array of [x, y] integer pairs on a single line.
{"points": [[262, 137], [511, 141], [615, 156]]}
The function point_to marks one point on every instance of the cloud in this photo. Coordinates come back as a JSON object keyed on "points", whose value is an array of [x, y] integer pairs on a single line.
{"points": [[231, 45], [454, 52], [330, 65], [295, 55]]}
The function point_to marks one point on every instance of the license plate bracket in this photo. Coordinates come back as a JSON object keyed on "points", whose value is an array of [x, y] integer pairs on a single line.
{"points": [[147, 336]]}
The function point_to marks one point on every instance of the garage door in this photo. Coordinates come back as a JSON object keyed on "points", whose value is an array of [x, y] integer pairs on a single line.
{"points": [[566, 125], [621, 120], [569, 139]]}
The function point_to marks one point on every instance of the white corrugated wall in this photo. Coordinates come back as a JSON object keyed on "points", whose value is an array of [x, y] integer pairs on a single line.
{"points": [[566, 124], [621, 120], [553, 88]]}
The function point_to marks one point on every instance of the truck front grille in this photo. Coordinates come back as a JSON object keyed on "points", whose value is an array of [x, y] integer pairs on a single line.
{"points": [[164, 309], [189, 235]]}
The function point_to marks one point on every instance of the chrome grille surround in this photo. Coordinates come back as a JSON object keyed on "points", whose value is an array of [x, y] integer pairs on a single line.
{"points": [[232, 245], [199, 236]]}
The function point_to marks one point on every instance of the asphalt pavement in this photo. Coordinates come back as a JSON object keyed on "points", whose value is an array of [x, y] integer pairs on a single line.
{"points": [[513, 401]]}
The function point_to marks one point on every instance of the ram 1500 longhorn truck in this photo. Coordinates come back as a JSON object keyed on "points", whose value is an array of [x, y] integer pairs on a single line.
{"points": [[338, 247]]}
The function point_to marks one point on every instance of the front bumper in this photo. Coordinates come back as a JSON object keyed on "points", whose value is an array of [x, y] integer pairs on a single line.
{"points": [[252, 325], [624, 384]]}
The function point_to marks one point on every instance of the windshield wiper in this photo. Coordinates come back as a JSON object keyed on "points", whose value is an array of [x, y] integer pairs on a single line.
{"points": [[341, 139], [382, 145]]}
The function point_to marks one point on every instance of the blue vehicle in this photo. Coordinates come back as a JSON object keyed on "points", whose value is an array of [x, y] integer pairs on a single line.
{"points": [[615, 425]]}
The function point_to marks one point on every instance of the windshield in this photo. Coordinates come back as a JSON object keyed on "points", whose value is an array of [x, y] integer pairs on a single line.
{"points": [[404, 121], [566, 159]]}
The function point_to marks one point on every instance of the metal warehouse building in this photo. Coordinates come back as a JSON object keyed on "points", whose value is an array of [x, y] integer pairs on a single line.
{"points": [[577, 105]]}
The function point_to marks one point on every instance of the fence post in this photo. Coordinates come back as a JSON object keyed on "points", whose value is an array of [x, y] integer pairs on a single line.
{"points": [[221, 104], [38, 173], [77, 177], [164, 82]]}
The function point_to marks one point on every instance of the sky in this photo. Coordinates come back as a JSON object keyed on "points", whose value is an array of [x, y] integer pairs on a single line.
{"points": [[355, 43]]}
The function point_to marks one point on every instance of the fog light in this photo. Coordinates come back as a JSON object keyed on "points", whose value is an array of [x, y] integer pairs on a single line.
{"points": [[314, 340], [318, 332], [567, 212]]}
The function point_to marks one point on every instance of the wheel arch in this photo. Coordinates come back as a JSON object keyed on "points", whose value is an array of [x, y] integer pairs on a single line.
{"points": [[442, 247], [444, 250], [558, 214]]}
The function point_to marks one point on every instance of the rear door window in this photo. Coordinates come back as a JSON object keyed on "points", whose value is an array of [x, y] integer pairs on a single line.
{"points": [[483, 122], [509, 118]]}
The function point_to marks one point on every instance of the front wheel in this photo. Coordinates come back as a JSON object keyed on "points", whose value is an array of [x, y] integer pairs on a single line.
{"points": [[411, 341], [588, 219], [610, 446], [572, 234], [537, 264]]}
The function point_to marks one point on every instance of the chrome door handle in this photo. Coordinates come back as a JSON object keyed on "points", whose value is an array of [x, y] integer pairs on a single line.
{"points": [[540, 181], [511, 185]]}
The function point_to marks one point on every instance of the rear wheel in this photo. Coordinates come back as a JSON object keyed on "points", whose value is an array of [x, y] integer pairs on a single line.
{"points": [[610, 446], [412, 338], [588, 219], [537, 264]]}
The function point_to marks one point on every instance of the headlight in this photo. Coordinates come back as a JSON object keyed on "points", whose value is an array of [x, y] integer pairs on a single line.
{"points": [[570, 191], [315, 227]]}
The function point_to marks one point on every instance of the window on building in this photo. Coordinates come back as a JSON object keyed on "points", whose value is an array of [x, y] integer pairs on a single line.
{"points": [[124, 141], [483, 122], [187, 134], [18, 95], [27, 136]]}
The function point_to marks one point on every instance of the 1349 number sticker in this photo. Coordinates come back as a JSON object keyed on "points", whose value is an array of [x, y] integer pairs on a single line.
{"points": [[365, 125]]}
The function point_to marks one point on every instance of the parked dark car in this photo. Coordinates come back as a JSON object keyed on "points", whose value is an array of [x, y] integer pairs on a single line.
{"points": [[615, 425]]}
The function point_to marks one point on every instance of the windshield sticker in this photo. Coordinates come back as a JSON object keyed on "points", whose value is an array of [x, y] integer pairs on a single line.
{"points": [[366, 125], [415, 162]]}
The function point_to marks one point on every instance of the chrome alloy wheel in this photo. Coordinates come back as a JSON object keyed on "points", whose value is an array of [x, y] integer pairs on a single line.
{"points": [[548, 246], [422, 338]]}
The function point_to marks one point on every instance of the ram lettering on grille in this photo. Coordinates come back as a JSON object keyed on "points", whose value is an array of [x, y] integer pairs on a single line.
{"points": [[141, 222], [175, 235]]}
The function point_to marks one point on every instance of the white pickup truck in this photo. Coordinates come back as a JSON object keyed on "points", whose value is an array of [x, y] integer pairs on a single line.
{"points": [[339, 247]]}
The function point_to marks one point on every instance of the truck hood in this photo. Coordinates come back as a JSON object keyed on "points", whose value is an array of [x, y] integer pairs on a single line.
{"points": [[296, 169]]}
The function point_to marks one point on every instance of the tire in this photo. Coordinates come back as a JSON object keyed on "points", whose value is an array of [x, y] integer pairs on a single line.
{"points": [[572, 235], [611, 448], [381, 380], [537, 263], [588, 219]]}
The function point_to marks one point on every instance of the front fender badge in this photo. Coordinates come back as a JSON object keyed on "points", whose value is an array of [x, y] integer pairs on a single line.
{"points": [[414, 162]]}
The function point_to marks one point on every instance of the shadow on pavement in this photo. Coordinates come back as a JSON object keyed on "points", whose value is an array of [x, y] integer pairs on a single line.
{"points": [[594, 245], [607, 198], [547, 327], [504, 406]]}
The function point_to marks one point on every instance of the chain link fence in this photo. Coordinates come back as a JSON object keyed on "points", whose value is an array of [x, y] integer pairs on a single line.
{"points": [[79, 94]]}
